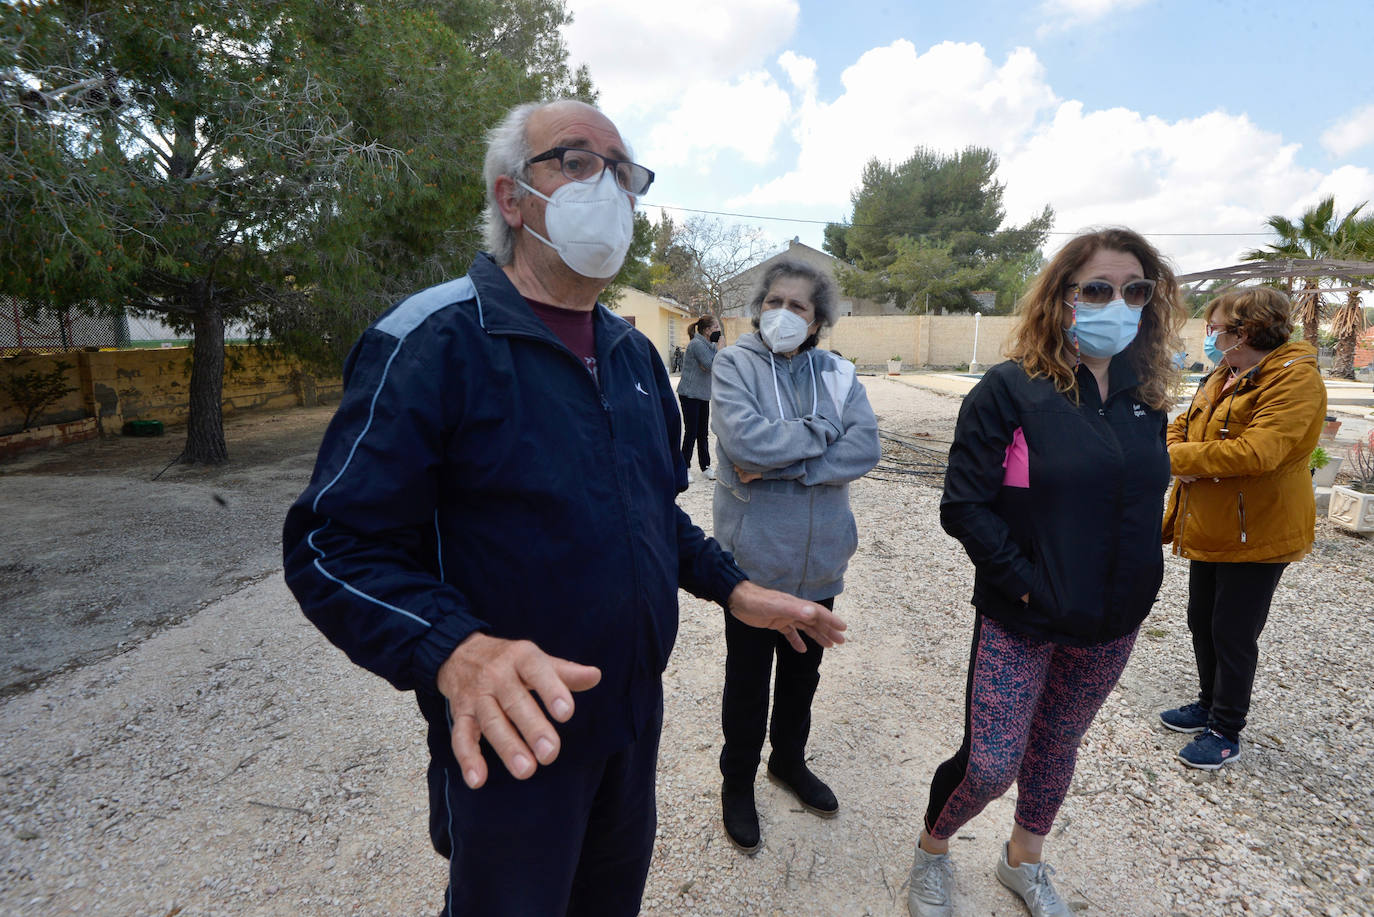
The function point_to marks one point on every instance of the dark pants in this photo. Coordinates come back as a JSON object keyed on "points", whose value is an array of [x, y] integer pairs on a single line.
{"points": [[1228, 605], [749, 653], [696, 424], [576, 838]]}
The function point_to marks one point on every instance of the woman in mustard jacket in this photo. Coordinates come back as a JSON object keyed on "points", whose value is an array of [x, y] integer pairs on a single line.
{"points": [[1242, 506]]}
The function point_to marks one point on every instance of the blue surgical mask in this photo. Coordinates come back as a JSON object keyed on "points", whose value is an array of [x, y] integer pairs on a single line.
{"points": [[1215, 353], [1107, 330]]}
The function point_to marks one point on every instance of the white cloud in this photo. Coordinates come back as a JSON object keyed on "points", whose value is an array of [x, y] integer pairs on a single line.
{"points": [[744, 116], [1351, 134], [643, 55], [1216, 173], [894, 100], [1064, 14]]}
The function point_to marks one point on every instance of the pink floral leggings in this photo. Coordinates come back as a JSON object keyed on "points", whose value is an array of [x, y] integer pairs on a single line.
{"points": [[1027, 705]]}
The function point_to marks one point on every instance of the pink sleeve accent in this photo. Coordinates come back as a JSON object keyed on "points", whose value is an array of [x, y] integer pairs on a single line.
{"points": [[1017, 462]]}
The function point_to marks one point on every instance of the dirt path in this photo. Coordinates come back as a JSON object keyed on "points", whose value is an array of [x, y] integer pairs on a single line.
{"points": [[234, 763]]}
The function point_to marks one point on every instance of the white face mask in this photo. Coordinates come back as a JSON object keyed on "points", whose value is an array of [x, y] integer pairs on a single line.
{"points": [[783, 330], [590, 225]]}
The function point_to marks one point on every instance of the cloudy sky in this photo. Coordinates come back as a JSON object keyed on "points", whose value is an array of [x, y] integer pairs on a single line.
{"points": [[1189, 120]]}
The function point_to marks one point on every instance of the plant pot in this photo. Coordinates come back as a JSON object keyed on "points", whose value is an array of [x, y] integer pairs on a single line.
{"points": [[894, 367], [1351, 509], [1330, 428], [1325, 476]]}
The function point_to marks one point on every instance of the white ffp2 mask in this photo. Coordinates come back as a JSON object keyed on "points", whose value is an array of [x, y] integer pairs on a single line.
{"points": [[590, 225], [783, 330]]}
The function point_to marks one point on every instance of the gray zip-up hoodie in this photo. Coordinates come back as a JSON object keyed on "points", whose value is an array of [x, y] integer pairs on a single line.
{"points": [[805, 424], [696, 369]]}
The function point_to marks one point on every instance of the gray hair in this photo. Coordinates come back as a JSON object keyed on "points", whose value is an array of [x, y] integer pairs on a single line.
{"points": [[822, 289], [508, 153], [508, 149]]}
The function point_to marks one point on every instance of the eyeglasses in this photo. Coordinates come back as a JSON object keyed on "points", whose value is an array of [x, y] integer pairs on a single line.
{"points": [[1217, 329], [1136, 293], [584, 165]]}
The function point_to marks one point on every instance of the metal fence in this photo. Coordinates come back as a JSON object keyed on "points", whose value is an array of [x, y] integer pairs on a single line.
{"points": [[25, 327]]}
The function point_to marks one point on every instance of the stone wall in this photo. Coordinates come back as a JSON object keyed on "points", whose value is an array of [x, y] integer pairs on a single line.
{"points": [[116, 386]]}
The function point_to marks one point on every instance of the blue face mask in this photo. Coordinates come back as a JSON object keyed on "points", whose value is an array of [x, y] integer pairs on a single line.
{"points": [[1215, 353], [1105, 331]]}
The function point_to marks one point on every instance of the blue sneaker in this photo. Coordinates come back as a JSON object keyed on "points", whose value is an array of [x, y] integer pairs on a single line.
{"points": [[1188, 718], [1209, 751]]}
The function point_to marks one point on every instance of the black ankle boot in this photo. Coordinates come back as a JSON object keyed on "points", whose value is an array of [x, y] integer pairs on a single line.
{"points": [[740, 816], [809, 789]]}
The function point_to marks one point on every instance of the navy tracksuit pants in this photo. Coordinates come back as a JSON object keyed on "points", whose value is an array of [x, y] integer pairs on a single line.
{"points": [[575, 839]]}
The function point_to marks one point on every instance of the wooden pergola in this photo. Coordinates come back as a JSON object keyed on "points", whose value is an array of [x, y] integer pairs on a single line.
{"points": [[1358, 274]]}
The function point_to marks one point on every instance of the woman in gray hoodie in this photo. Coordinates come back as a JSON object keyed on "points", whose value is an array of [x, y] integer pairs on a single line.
{"points": [[694, 393], [793, 427]]}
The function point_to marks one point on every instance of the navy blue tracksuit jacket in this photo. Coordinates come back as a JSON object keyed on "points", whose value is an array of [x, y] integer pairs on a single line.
{"points": [[477, 477]]}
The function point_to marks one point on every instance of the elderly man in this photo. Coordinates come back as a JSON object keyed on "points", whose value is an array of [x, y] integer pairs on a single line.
{"points": [[491, 524]]}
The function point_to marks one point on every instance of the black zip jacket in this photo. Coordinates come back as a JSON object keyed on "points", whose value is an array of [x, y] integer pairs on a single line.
{"points": [[1082, 539]]}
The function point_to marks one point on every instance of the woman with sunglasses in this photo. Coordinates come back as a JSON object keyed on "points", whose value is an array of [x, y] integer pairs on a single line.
{"points": [[1055, 485], [1242, 507]]}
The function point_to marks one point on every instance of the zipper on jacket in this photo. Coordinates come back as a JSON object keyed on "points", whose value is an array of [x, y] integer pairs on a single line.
{"points": [[610, 416], [1240, 509]]}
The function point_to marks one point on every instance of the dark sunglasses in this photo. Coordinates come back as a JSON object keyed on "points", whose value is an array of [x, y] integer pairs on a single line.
{"points": [[1136, 293]]}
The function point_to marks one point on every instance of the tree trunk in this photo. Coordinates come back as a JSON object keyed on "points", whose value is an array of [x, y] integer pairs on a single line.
{"points": [[1311, 312], [1346, 325], [205, 424], [1343, 362]]}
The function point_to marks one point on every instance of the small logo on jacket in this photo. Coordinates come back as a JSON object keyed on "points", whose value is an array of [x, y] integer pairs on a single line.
{"points": [[639, 388], [1139, 411]]}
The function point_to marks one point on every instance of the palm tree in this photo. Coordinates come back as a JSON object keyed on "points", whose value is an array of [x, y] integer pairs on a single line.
{"points": [[1353, 242], [1318, 234], [1305, 240]]}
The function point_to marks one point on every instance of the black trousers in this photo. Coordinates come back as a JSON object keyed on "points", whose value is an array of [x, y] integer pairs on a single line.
{"points": [[1228, 605], [696, 424], [574, 839], [749, 653]]}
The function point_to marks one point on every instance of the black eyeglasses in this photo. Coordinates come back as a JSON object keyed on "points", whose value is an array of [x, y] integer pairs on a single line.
{"points": [[584, 165], [1136, 293]]}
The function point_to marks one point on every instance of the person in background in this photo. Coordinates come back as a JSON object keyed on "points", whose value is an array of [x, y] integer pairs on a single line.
{"points": [[793, 427], [492, 525], [1055, 485], [1242, 506], [694, 393]]}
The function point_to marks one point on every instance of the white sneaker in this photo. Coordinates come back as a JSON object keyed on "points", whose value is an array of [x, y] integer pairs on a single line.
{"points": [[928, 885], [1032, 882], [709, 473], [692, 476]]}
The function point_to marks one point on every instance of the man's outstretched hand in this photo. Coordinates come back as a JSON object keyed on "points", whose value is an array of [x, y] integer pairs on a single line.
{"points": [[760, 607], [488, 681]]}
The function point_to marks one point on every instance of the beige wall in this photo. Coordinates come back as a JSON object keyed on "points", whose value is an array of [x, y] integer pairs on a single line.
{"points": [[662, 322], [115, 386], [934, 341]]}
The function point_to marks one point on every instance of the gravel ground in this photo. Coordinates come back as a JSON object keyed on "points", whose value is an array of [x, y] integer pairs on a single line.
{"points": [[235, 763]]}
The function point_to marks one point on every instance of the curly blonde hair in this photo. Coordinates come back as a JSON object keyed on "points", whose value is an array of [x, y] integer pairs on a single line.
{"points": [[1043, 347]]}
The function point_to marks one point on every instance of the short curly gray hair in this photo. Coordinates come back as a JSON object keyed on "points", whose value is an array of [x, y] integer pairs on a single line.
{"points": [[822, 289]]}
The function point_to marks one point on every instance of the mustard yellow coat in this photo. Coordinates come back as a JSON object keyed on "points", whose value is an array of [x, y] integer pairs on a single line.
{"points": [[1248, 447]]}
